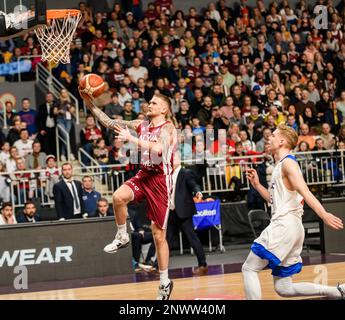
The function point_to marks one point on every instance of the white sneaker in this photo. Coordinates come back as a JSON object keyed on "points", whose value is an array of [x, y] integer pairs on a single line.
{"points": [[120, 241], [63, 158], [164, 292], [341, 288], [72, 157]]}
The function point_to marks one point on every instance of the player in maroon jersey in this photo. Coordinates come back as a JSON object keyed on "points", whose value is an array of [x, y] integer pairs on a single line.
{"points": [[157, 141]]}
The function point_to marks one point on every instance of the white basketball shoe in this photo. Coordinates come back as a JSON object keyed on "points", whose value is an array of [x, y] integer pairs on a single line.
{"points": [[164, 292], [341, 288], [120, 241]]}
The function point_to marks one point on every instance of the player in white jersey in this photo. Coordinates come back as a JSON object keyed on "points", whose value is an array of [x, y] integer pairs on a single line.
{"points": [[279, 246]]}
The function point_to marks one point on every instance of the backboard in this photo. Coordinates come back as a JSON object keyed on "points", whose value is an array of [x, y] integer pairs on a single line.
{"points": [[17, 16]]}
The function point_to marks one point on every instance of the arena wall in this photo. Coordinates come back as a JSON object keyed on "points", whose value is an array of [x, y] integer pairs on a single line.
{"points": [[63, 250]]}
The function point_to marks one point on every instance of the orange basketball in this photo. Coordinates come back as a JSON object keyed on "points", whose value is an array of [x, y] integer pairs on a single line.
{"points": [[92, 85]]}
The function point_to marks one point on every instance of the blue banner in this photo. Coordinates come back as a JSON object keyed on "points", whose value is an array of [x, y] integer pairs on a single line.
{"points": [[15, 67], [208, 215]]}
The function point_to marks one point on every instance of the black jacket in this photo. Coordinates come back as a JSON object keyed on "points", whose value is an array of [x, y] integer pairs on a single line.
{"points": [[22, 218], [186, 188], [64, 200], [42, 115]]}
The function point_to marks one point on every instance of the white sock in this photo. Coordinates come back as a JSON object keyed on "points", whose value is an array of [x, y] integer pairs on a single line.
{"points": [[121, 229], [164, 277], [286, 288]]}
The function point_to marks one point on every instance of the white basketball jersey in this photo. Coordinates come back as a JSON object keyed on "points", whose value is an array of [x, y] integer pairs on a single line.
{"points": [[283, 201]]}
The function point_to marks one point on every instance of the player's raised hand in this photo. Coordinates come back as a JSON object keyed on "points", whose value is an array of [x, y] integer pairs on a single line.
{"points": [[88, 99], [253, 177], [123, 133], [333, 221]]}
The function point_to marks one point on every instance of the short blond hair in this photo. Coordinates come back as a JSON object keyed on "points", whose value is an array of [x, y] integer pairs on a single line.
{"points": [[289, 134]]}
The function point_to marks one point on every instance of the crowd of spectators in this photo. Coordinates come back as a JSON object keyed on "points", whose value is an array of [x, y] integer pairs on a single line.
{"points": [[231, 68]]}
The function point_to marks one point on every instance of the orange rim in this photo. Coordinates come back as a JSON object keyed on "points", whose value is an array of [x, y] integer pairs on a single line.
{"points": [[62, 13]]}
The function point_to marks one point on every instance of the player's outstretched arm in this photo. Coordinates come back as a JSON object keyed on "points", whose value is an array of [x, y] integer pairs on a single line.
{"points": [[291, 170], [104, 119], [253, 178]]}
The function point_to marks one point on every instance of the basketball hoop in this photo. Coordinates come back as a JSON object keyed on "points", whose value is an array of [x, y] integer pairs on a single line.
{"points": [[56, 36]]}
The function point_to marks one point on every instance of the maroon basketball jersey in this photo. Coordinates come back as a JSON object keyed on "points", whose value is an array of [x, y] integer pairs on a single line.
{"points": [[151, 162]]}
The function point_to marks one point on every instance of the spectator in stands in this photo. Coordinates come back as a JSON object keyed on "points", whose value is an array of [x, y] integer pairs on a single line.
{"points": [[46, 125], [184, 115], [14, 133], [136, 71], [123, 96], [90, 196], [304, 103], [113, 109], [29, 116], [22, 182], [88, 138], [247, 144], [205, 113], [24, 144], [128, 113], [103, 209], [10, 113], [5, 190], [7, 215], [341, 103], [101, 152], [277, 115], [11, 162], [197, 128], [291, 122], [310, 118], [29, 214], [327, 137], [52, 175], [314, 95], [305, 136], [256, 117], [333, 117], [37, 159], [5, 152], [322, 106], [64, 112], [227, 109], [68, 195], [341, 134], [117, 154]]}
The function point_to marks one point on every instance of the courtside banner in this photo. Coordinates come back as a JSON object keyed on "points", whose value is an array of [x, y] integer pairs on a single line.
{"points": [[15, 67], [208, 215]]}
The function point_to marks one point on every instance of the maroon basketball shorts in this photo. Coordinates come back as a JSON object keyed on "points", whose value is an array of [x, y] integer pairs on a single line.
{"points": [[156, 188]]}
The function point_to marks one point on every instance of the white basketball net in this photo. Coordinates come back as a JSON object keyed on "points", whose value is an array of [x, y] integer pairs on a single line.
{"points": [[56, 37]]}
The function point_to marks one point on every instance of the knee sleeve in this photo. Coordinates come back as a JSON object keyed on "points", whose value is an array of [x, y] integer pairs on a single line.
{"points": [[254, 263], [284, 287]]}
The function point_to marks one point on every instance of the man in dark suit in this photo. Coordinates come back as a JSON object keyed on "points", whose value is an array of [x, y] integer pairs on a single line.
{"points": [[46, 125], [68, 195], [29, 214], [103, 209], [182, 209]]}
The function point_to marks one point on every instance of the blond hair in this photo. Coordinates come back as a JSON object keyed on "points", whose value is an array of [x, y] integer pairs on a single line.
{"points": [[167, 100], [289, 134]]}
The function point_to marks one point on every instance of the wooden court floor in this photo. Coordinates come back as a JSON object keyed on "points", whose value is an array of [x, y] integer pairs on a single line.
{"points": [[224, 286]]}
